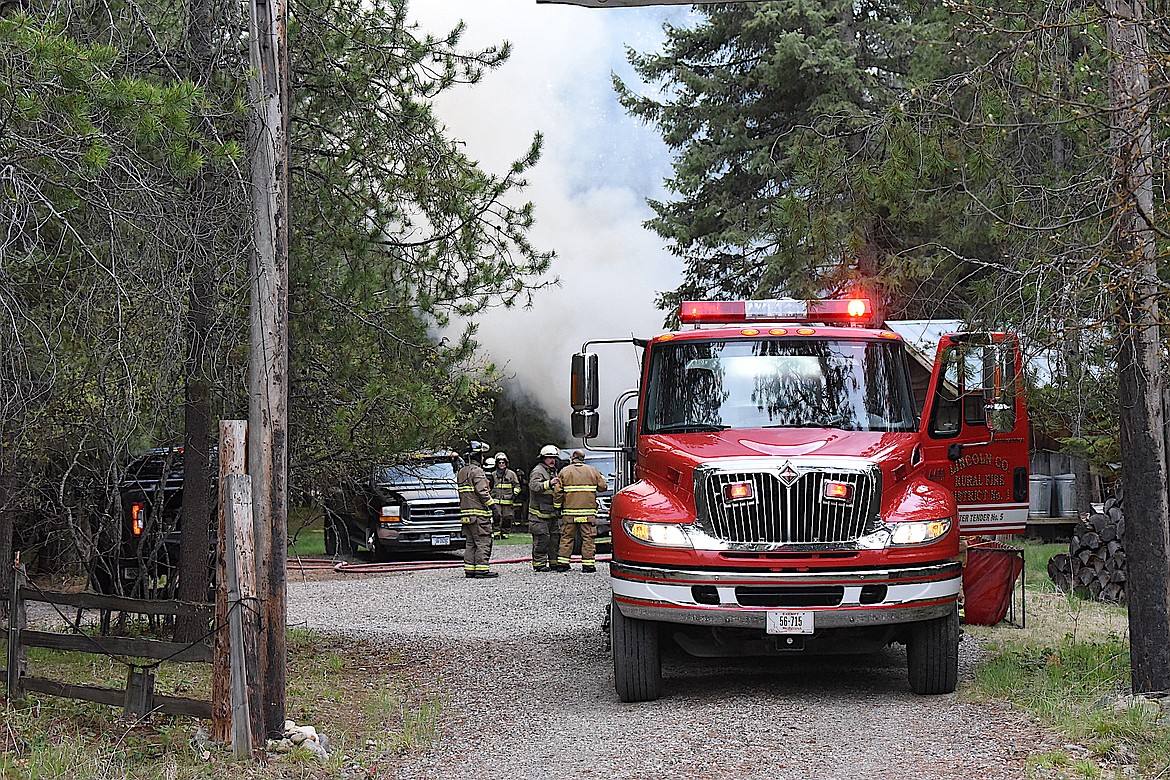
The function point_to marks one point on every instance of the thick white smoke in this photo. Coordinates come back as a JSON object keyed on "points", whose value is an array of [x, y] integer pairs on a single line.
{"points": [[598, 167]]}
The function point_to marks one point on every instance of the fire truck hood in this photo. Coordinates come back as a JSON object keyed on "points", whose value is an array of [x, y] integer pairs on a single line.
{"points": [[785, 443]]}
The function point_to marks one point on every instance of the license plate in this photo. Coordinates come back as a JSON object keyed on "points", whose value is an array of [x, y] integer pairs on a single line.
{"points": [[789, 622], [440, 541]]}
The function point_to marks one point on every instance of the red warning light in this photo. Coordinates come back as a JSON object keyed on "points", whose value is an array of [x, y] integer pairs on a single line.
{"points": [[839, 491], [844, 311], [738, 491]]}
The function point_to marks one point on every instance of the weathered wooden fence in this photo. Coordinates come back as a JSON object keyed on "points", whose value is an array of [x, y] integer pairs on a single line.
{"points": [[138, 697], [236, 709]]}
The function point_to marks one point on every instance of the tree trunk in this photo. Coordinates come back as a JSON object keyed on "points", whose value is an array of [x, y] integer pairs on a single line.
{"points": [[195, 524], [1143, 447], [6, 552], [194, 560]]}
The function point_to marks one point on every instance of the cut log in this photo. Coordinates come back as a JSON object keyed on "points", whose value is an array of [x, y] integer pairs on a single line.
{"points": [[1058, 566]]}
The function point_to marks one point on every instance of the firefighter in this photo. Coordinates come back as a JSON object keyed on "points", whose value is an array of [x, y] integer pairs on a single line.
{"points": [[544, 508], [579, 483], [475, 512], [489, 470], [506, 491]]}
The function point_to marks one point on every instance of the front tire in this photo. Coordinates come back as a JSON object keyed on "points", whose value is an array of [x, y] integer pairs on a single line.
{"points": [[378, 553], [637, 662], [932, 655]]}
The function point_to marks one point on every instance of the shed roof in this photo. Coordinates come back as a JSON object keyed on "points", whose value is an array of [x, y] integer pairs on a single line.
{"points": [[921, 336]]}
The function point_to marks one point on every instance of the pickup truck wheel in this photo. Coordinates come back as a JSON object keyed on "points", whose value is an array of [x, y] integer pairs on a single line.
{"points": [[932, 655], [637, 664], [377, 552], [337, 541]]}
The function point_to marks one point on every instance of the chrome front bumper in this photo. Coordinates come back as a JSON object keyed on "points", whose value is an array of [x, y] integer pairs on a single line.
{"points": [[868, 597]]}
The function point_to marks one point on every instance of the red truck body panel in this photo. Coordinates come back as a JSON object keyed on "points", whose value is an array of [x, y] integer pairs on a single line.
{"points": [[788, 497]]}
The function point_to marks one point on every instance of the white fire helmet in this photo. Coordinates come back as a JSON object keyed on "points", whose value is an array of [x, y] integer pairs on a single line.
{"points": [[550, 451]]}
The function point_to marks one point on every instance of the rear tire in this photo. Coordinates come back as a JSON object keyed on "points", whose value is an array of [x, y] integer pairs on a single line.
{"points": [[637, 662], [337, 539], [932, 655]]}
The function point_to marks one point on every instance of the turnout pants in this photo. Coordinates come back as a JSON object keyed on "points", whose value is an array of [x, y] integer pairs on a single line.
{"points": [[478, 549], [588, 528], [544, 532]]}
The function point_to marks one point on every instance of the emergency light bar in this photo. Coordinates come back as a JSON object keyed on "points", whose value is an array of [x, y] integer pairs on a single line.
{"points": [[851, 311]]}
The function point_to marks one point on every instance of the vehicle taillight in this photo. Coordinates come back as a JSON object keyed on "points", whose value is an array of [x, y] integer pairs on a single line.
{"points": [[137, 516], [845, 311], [839, 491]]}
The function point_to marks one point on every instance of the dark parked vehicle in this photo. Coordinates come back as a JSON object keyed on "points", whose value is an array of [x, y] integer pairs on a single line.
{"points": [[411, 506], [147, 553]]}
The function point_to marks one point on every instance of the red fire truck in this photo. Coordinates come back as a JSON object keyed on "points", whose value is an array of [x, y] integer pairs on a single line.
{"points": [[784, 495]]}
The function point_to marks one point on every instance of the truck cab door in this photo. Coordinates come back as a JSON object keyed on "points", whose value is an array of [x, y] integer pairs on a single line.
{"points": [[975, 430]]}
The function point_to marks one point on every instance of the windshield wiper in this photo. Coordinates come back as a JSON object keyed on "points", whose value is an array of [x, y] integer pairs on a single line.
{"points": [[838, 425], [690, 427]]}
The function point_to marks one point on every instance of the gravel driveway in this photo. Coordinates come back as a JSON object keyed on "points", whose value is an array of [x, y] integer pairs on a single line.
{"points": [[527, 669]]}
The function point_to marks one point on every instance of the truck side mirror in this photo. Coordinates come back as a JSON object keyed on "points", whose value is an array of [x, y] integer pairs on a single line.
{"points": [[583, 384], [585, 424], [999, 398]]}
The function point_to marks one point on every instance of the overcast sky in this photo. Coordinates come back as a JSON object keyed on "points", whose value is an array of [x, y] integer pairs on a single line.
{"points": [[590, 187]]}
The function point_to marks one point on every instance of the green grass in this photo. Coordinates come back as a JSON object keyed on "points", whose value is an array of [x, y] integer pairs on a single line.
{"points": [[1036, 558], [346, 688], [306, 534], [515, 539], [1075, 682]]}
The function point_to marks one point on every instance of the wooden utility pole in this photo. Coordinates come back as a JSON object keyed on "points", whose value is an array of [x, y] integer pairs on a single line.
{"points": [[268, 362], [1143, 446]]}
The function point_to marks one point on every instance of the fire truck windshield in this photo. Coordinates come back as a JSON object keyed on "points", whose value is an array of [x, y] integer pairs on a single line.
{"points": [[856, 385]]}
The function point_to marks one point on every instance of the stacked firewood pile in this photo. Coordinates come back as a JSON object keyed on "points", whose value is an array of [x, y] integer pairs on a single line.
{"points": [[1094, 566]]}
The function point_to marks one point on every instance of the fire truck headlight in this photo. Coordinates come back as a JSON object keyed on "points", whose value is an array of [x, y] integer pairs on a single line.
{"points": [[659, 534], [920, 533]]}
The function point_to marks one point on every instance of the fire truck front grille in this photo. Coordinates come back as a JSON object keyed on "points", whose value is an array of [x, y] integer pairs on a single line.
{"points": [[787, 505]]}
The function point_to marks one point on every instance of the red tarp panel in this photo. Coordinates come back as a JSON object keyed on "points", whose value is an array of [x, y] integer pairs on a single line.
{"points": [[988, 580]]}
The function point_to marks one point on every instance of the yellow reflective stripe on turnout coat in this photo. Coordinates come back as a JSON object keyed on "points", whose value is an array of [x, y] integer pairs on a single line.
{"points": [[475, 495], [579, 485], [505, 489], [543, 503]]}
